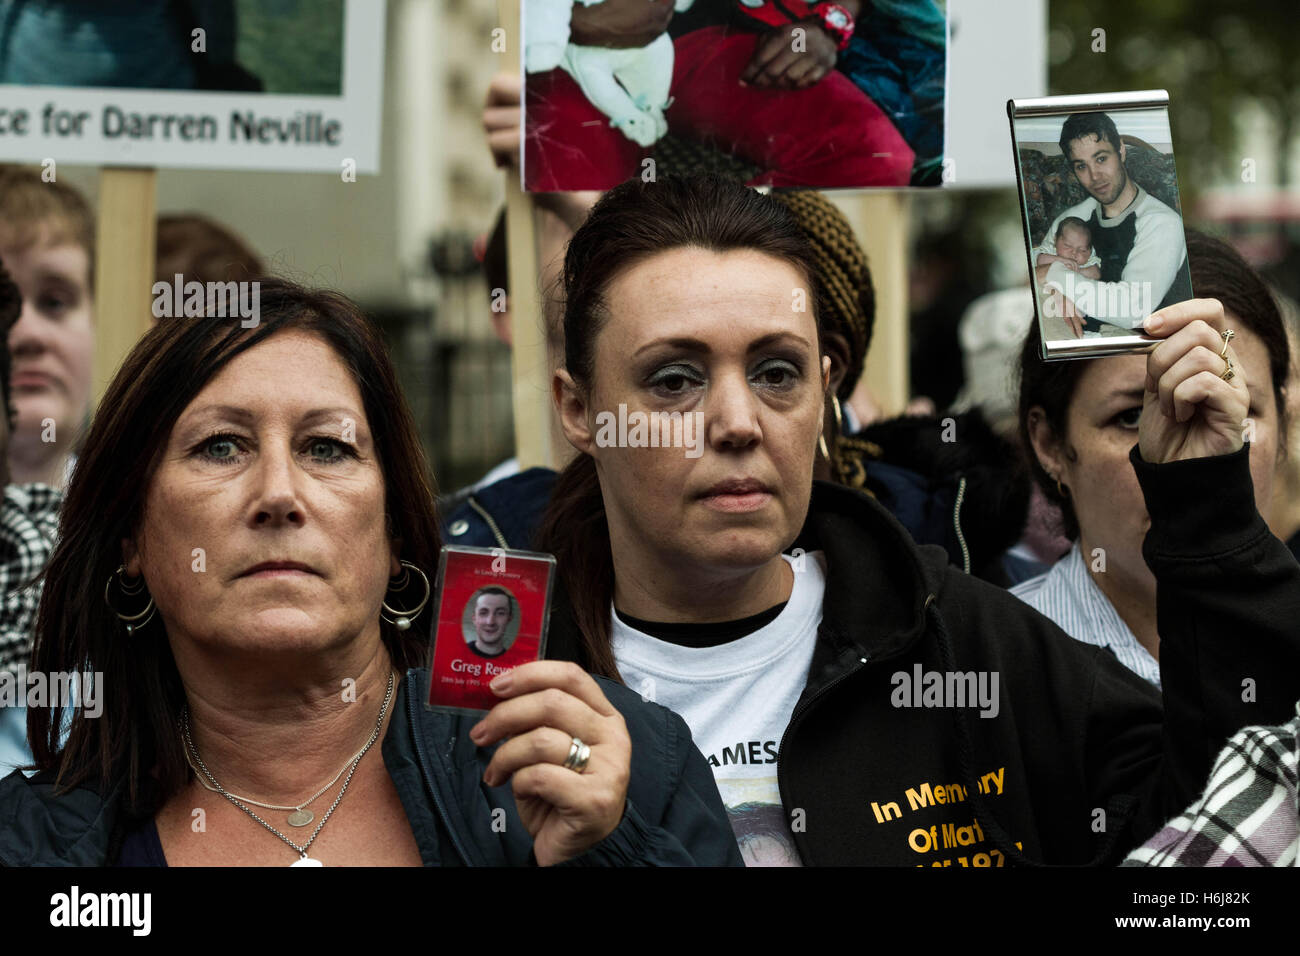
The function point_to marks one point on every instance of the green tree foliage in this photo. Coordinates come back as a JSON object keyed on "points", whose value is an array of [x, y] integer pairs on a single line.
{"points": [[1216, 58]]}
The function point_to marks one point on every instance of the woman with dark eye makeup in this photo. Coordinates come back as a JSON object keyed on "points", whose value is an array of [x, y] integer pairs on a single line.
{"points": [[1081, 419], [859, 699]]}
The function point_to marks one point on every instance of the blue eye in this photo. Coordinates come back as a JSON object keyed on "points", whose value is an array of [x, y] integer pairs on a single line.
{"points": [[218, 448], [329, 449], [325, 449]]}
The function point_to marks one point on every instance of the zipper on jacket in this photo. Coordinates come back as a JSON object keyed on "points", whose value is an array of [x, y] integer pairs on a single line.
{"points": [[956, 524], [492, 525], [423, 759], [800, 712]]}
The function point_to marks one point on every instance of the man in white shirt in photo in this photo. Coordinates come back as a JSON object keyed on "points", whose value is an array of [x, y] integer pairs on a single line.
{"points": [[1138, 238]]}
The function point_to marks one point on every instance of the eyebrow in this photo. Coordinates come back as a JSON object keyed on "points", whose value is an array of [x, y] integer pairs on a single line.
{"points": [[47, 274], [243, 416], [689, 344]]}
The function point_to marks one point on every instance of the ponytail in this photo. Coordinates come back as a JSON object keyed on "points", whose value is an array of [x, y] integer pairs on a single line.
{"points": [[575, 530]]}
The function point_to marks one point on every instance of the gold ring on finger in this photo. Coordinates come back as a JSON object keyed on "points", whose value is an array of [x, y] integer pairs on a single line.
{"points": [[1228, 371], [1227, 337]]}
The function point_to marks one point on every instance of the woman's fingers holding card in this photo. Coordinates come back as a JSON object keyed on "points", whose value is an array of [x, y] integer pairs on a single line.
{"points": [[568, 756], [1199, 356], [543, 745], [1169, 320], [561, 675], [1197, 398], [550, 707]]}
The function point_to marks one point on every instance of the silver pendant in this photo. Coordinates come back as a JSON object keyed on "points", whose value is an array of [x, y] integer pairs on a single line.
{"points": [[306, 861], [301, 817]]}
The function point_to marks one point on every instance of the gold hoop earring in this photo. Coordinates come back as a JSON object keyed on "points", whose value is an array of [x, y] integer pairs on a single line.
{"points": [[839, 414], [1061, 491], [133, 622], [402, 619]]}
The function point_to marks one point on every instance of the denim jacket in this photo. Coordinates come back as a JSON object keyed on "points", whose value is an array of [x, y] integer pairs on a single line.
{"points": [[674, 816]]}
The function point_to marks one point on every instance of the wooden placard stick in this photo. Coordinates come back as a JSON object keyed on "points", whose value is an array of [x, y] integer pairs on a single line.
{"points": [[880, 219], [125, 252], [530, 371]]}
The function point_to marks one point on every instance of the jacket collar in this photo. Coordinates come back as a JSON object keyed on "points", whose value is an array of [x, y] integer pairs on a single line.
{"points": [[39, 829], [877, 578]]}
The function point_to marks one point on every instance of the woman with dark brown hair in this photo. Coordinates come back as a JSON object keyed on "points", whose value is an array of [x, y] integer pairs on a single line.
{"points": [[244, 568], [1079, 421], [875, 703]]}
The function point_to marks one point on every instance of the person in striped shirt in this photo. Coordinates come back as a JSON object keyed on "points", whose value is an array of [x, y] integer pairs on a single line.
{"points": [[1079, 419]]}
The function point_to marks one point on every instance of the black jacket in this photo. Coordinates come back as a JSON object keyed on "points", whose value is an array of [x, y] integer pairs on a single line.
{"points": [[1081, 761], [504, 514], [674, 816], [970, 496]]}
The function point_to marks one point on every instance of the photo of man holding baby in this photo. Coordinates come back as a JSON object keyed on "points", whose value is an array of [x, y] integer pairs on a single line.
{"points": [[1110, 247]]}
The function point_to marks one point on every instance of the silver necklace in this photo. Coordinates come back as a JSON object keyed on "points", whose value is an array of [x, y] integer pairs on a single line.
{"points": [[303, 859], [300, 816]]}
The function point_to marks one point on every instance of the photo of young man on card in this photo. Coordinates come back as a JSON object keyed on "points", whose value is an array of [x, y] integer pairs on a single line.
{"points": [[493, 609]]}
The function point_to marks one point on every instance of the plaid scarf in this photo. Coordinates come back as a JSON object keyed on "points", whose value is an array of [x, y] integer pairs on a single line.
{"points": [[1249, 814], [29, 522]]}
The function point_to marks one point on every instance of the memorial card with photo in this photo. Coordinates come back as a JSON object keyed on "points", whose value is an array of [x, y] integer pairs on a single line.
{"points": [[1103, 221], [493, 607], [791, 93]]}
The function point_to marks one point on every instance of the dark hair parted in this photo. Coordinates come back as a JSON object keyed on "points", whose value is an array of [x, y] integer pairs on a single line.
{"points": [[134, 741], [1218, 272], [631, 223], [1079, 125]]}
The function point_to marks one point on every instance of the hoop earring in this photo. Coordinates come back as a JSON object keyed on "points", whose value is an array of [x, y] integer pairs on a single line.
{"points": [[839, 414], [402, 619], [1061, 491], [133, 622]]}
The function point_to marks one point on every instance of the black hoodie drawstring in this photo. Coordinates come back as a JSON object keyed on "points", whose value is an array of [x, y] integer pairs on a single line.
{"points": [[1118, 808]]}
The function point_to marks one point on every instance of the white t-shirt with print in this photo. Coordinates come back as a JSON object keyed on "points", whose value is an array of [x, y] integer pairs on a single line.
{"points": [[737, 699]]}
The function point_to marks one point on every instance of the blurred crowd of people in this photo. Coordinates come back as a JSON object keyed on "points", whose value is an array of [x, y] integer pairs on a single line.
{"points": [[1053, 618]]}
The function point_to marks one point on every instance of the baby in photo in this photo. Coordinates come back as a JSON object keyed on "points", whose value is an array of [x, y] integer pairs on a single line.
{"points": [[1074, 249], [630, 86]]}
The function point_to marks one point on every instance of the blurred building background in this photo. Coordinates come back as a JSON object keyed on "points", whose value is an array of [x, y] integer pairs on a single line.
{"points": [[401, 243], [1234, 87]]}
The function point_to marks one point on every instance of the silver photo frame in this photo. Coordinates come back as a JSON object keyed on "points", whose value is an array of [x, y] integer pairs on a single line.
{"points": [[1102, 218]]}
